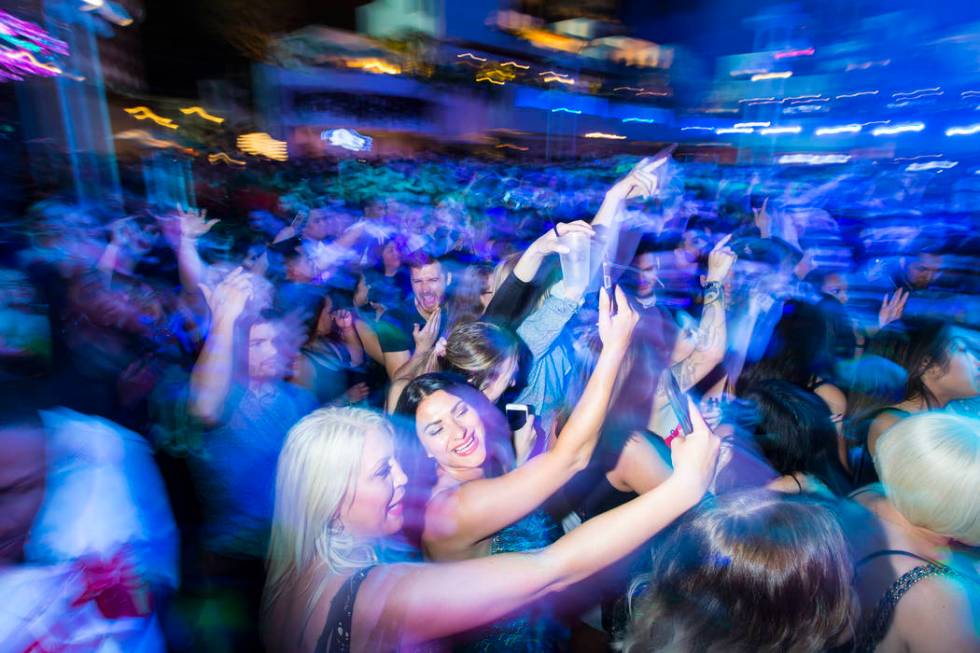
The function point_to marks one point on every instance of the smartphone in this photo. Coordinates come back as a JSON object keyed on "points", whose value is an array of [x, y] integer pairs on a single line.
{"points": [[517, 415], [678, 403]]}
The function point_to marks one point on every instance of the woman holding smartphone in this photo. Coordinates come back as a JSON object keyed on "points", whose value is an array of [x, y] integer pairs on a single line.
{"points": [[339, 490]]}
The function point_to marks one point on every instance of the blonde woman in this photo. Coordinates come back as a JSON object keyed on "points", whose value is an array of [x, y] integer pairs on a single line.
{"points": [[339, 491], [919, 587]]}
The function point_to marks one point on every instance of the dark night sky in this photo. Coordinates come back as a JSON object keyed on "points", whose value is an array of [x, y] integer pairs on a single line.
{"points": [[183, 40]]}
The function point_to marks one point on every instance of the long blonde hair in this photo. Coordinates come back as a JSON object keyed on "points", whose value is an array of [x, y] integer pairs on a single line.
{"points": [[315, 479]]}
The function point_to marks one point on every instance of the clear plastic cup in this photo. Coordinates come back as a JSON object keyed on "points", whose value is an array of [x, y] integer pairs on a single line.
{"points": [[575, 264]]}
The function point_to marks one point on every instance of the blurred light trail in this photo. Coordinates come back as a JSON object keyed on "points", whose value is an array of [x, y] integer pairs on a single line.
{"points": [[740, 125], [566, 110], [734, 130], [898, 129], [261, 143], [221, 156], [857, 94], [199, 111], [931, 165], [840, 129], [145, 113], [793, 129], [968, 130], [615, 137], [789, 54], [764, 76], [814, 159], [917, 91]]}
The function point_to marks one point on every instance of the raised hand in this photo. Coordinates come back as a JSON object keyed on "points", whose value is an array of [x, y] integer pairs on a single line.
{"points": [[194, 223], [695, 456], [616, 329], [357, 393], [228, 299], [550, 242], [720, 260], [425, 337], [892, 307]]}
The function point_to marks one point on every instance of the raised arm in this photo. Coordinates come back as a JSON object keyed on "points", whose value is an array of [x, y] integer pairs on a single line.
{"points": [[212, 374], [480, 508], [424, 602], [421, 361], [190, 267], [711, 337]]}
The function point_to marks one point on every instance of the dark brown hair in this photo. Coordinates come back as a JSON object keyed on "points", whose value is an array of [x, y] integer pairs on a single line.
{"points": [[747, 572]]}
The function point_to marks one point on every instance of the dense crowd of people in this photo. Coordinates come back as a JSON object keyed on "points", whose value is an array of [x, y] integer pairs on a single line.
{"points": [[469, 405]]}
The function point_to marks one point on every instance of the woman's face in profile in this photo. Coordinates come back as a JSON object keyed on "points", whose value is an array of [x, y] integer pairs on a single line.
{"points": [[375, 510]]}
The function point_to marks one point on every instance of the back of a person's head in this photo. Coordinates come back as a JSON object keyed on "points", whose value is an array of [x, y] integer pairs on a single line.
{"points": [[798, 350], [929, 465], [747, 572], [475, 350], [794, 430], [907, 348], [316, 474]]}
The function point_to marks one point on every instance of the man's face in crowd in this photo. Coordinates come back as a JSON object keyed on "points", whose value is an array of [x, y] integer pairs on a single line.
{"points": [[429, 285], [264, 359], [922, 270], [647, 271]]}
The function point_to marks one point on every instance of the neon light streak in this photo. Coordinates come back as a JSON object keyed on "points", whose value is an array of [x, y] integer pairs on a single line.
{"points": [[144, 113], [199, 111], [793, 129], [515, 65], [813, 159], [221, 156], [789, 54], [931, 165], [470, 55], [764, 76], [562, 80], [898, 129], [261, 143], [484, 78], [756, 99], [858, 94], [734, 130], [646, 120], [740, 125], [842, 129], [969, 130], [566, 110], [920, 90], [706, 129], [614, 137]]}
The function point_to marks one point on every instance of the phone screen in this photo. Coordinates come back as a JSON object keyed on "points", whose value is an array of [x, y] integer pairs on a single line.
{"points": [[516, 416]]}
